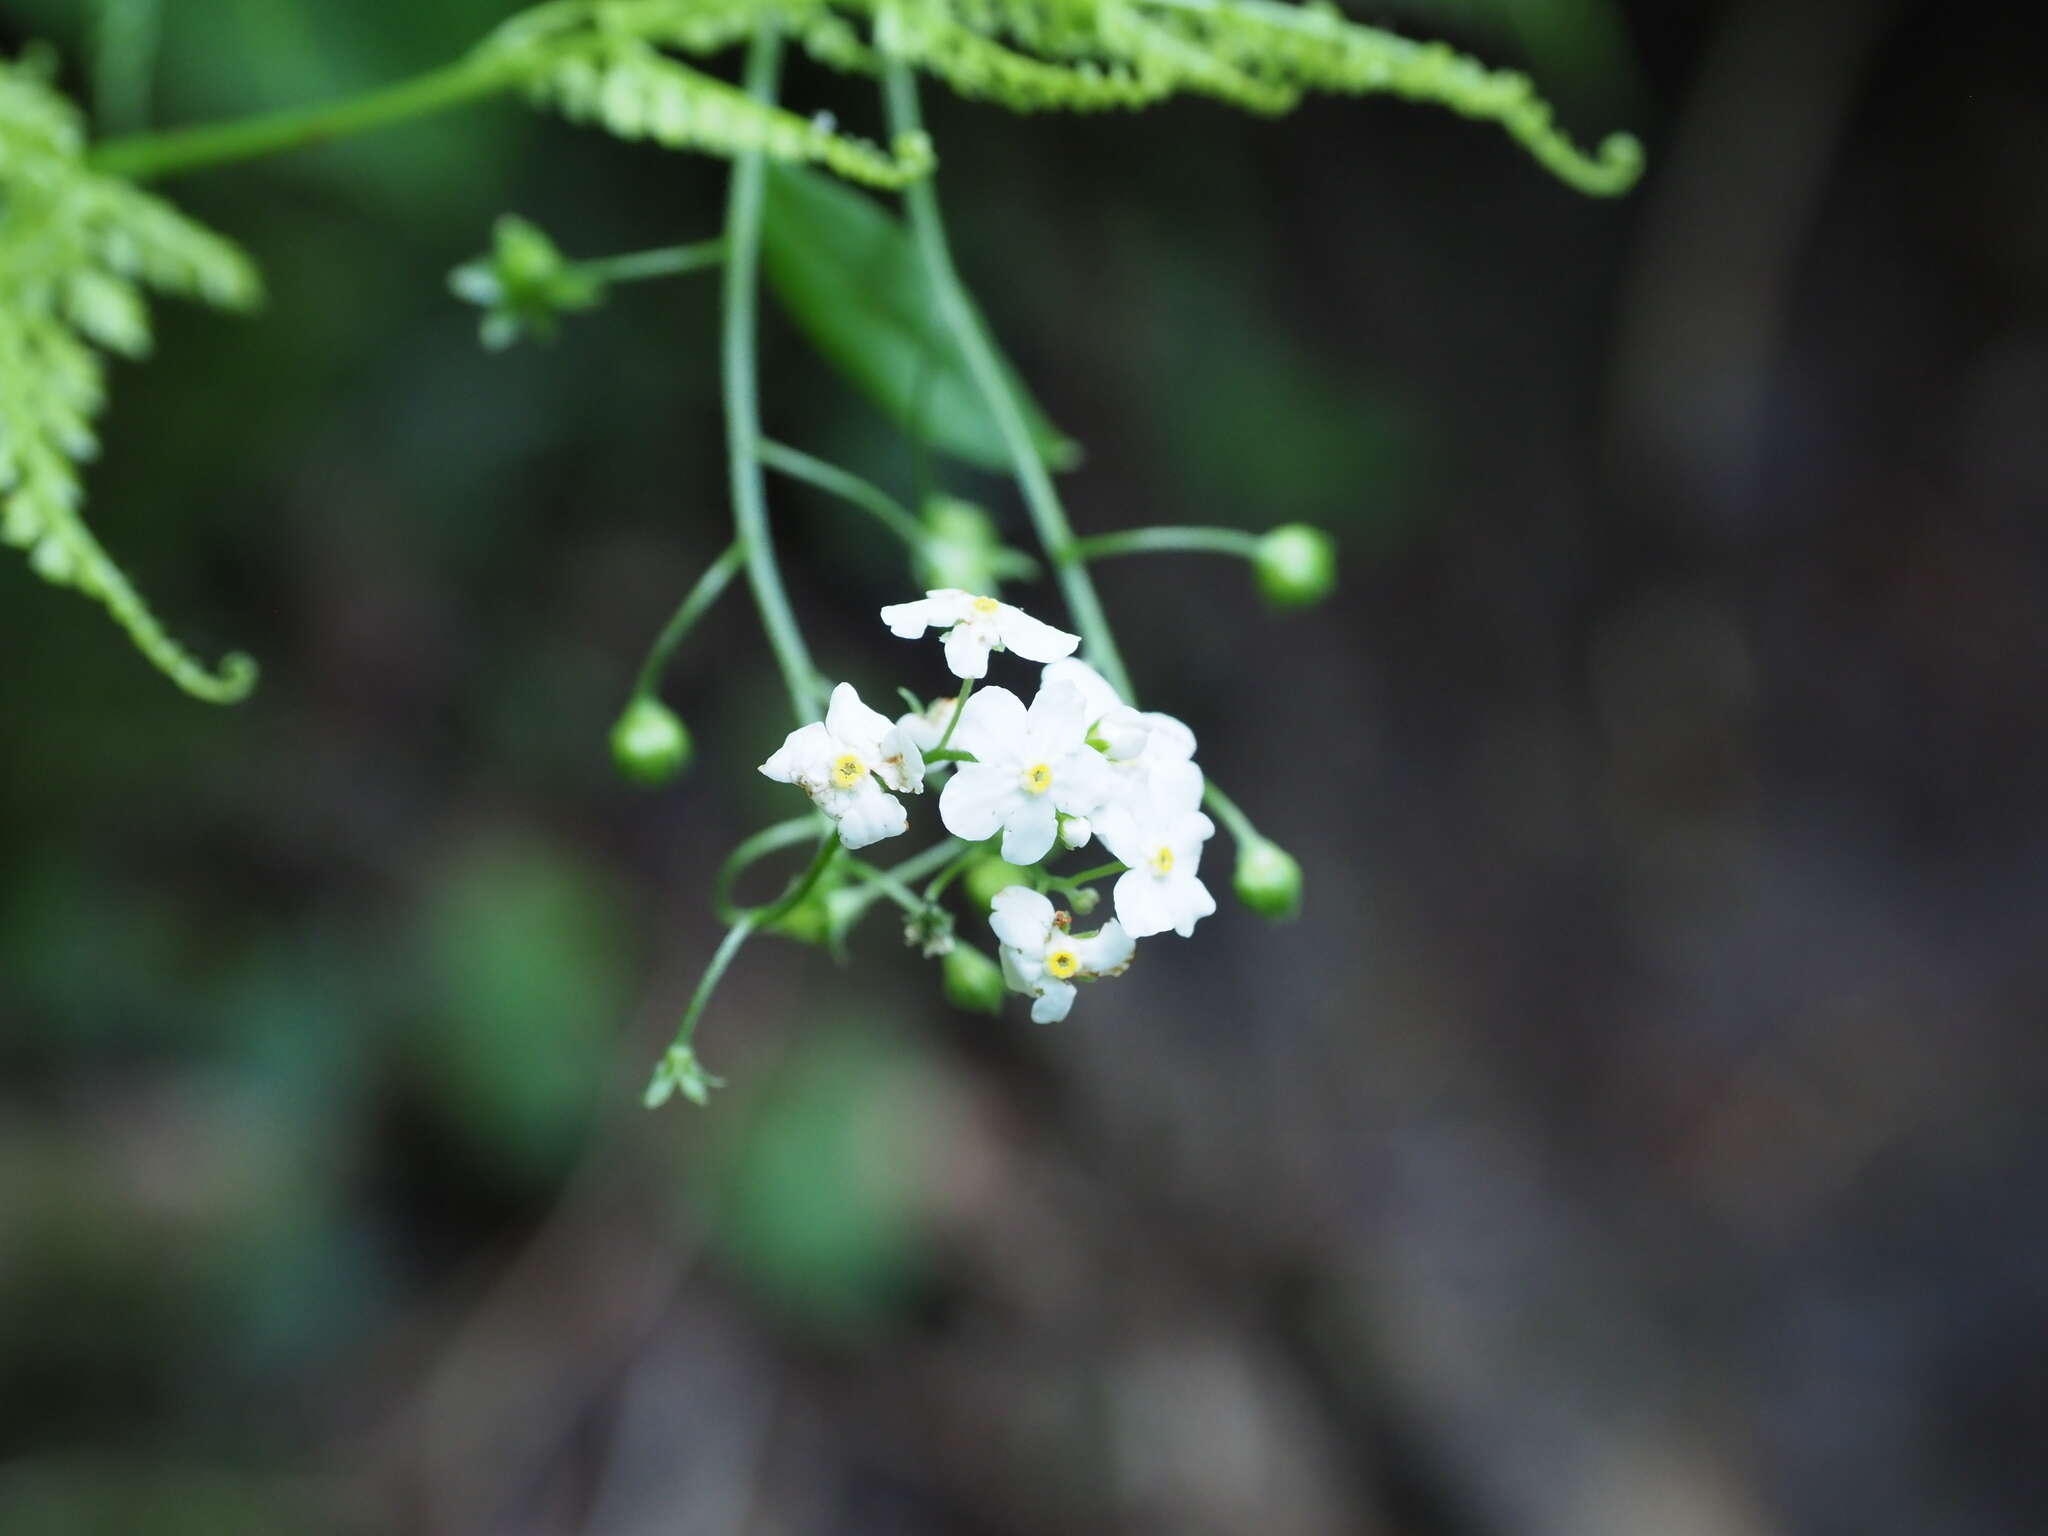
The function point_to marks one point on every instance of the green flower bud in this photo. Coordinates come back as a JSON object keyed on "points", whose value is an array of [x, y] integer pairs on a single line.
{"points": [[963, 549], [1268, 880], [649, 744], [973, 981], [524, 286], [986, 877], [1296, 565]]}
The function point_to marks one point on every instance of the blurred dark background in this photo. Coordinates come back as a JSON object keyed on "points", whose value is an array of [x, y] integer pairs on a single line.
{"points": [[1642, 1131]]}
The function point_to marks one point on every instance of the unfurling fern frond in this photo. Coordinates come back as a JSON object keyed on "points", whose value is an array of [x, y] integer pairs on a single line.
{"points": [[637, 92], [77, 251], [1260, 55]]}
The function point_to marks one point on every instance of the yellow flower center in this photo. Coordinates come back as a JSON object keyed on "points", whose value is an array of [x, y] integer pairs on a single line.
{"points": [[1162, 862], [1063, 963], [1037, 779], [848, 770], [986, 605]]}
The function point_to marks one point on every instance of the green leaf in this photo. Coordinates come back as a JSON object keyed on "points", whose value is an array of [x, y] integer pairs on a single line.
{"points": [[849, 276]]}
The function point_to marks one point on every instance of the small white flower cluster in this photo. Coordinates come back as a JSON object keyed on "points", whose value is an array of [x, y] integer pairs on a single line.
{"points": [[1076, 764]]}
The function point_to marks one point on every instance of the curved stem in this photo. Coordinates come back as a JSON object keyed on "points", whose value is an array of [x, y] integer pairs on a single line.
{"points": [[1229, 814], [953, 720], [749, 853], [744, 925], [847, 486], [171, 152], [1100, 872], [742, 392], [667, 261], [950, 873], [1047, 515], [1152, 541], [691, 609]]}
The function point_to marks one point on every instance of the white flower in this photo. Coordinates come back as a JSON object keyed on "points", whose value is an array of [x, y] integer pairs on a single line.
{"points": [[975, 626], [836, 764], [1029, 766], [1121, 729], [1161, 839], [1075, 832], [927, 727], [1043, 960], [1148, 768]]}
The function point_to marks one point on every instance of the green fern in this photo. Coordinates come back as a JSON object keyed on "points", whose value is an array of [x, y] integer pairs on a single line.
{"points": [[77, 252], [634, 91]]}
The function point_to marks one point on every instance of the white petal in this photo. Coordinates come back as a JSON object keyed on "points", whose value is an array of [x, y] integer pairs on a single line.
{"points": [[898, 763], [1075, 832], [1101, 698], [1169, 741], [927, 727], [1107, 953], [1117, 830], [1031, 638], [1143, 904], [1021, 918], [1078, 781], [865, 814], [977, 800], [1188, 834], [854, 723], [1028, 828], [805, 754], [1124, 733], [1192, 903], [1014, 976], [967, 651], [1175, 789], [1054, 1003], [1058, 719], [992, 725], [935, 610]]}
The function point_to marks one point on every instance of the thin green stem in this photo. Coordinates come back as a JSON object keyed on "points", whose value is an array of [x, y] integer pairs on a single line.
{"points": [[714, 973], [687, 613], [917, 866], [172, 152], [848, 487], [881, 880], [1227, 810], [666, 261], [953, 722], [1100, 872], [949, 755], [743, 926], [742, 392], [908, 873], [951, 872], [749, 853], [1152, 541], [1033, 478]]}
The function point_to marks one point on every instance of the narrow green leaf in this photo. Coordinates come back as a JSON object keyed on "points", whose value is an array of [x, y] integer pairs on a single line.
{"points": [[849, 276]]}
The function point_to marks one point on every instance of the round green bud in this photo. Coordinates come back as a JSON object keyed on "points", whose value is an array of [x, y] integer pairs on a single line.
{"points": [[1268, 880], [1296, 565], [985, 878], [649, 744], [973, 981]]}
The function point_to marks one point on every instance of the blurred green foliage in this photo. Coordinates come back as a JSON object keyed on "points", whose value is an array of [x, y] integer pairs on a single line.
{"points": [[816, 1204], [525, 980]]}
